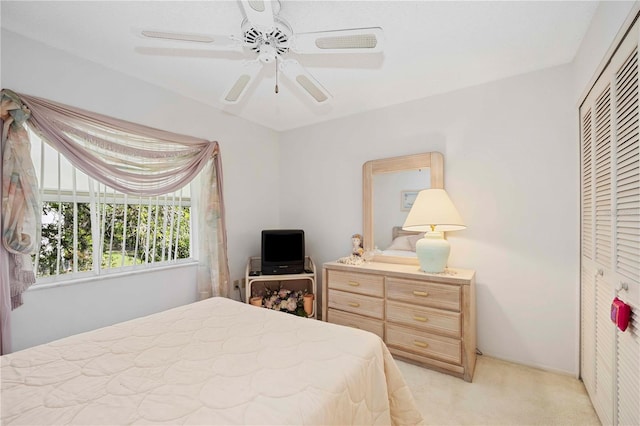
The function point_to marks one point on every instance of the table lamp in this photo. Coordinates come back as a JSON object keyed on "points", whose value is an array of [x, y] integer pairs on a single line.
{"points": [[433, 213]]}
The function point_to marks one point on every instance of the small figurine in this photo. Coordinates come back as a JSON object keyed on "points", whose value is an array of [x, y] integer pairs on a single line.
{"points": [[357, 252], [356, 240]]}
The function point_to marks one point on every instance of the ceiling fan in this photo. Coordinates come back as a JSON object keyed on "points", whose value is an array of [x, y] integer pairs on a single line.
{"points": [[270, 38]]}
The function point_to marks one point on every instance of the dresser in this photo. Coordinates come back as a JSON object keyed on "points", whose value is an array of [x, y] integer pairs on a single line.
{"points": [[427, 319]]}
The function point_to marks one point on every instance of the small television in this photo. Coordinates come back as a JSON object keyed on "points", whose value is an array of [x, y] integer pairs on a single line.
{"points": [[282, 251]]}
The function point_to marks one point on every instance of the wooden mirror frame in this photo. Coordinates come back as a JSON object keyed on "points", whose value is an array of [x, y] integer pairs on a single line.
{"points": [[433, 160]]}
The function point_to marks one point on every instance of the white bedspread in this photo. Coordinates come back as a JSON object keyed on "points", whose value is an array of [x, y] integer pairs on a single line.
{"points": [[211, 362]]}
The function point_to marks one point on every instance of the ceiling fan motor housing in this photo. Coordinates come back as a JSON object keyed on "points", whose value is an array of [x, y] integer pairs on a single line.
{"points": [[267, 44]]}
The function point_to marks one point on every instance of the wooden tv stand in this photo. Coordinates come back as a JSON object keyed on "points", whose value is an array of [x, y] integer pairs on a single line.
{"points": [[255, 284]]}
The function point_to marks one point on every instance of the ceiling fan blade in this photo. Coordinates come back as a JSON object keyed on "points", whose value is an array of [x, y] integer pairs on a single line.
{"points": [[247, 76], [355, 40], [259, 14], [296, 73], [217, 41]]}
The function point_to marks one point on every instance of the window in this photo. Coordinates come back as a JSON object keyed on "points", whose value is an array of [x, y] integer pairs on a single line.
{"points": [[89, 228]]}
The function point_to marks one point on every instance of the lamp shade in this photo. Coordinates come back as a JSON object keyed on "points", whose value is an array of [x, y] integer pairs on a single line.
{"points": [[433, 211]]}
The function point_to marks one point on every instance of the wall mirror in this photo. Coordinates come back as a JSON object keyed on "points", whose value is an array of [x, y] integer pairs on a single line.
{"points": [[389, 188]]}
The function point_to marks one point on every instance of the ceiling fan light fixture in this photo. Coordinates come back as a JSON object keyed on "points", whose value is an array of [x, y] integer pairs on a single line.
{"points": [[359, 41], [178, 36]]}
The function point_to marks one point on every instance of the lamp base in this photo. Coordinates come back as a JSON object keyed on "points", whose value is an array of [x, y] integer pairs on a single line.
{"points": [[433, 252]]}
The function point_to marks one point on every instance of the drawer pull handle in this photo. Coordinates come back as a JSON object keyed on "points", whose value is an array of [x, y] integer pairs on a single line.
{"points": [[354, 304], [354, 283], [420, 344], [421, 319], [420, 293]]}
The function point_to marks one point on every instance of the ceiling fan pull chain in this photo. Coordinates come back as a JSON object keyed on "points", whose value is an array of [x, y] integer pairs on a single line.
{"points": [[276, 75]]}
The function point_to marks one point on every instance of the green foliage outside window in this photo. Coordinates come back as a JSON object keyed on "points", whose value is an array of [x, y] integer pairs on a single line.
{"points": [[139, 219]]}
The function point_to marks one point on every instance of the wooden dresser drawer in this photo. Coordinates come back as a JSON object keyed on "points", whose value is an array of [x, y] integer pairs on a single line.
{"points": [[356, 303], [356, 321], [435, 295], [371, 285], [428, 319], [426, 344]]}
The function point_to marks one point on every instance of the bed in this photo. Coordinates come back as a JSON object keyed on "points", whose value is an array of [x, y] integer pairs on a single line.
{"points": [[403, 243], [216, 361]]}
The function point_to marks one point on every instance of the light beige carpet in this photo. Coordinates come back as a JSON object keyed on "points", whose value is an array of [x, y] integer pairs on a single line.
{"points": [[502, 393]]}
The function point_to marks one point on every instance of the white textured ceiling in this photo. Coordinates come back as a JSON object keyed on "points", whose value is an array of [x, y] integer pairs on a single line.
{"points": [[430, 48]]}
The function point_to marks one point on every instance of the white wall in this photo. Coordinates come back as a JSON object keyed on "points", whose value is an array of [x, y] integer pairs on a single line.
{"points": [[249, 156], [606, 22], [54, 312], [510, 165], [511, 155]]}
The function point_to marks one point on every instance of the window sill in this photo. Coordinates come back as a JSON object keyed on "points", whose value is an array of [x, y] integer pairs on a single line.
{"points": [[65, 280]]}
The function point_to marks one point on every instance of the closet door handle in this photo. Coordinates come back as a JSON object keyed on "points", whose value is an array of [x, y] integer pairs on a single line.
{"points": [[622, 286], [420, 293]]}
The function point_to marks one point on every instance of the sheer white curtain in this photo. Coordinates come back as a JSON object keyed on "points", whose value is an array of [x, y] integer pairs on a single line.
{"points": [[139, 160]]}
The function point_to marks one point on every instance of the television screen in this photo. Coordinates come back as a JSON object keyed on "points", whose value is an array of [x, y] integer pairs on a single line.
{"points": [[282, 251]]}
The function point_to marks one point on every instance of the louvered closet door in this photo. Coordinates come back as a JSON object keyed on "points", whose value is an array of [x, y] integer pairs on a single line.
{"points": [[597, 335], [627, 238], [603, 250], [628, 381], [610, 236], [588, 270]]}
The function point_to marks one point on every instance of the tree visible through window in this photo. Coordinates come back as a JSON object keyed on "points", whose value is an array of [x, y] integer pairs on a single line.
{"points": [[89, 227], [58, 218]]}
